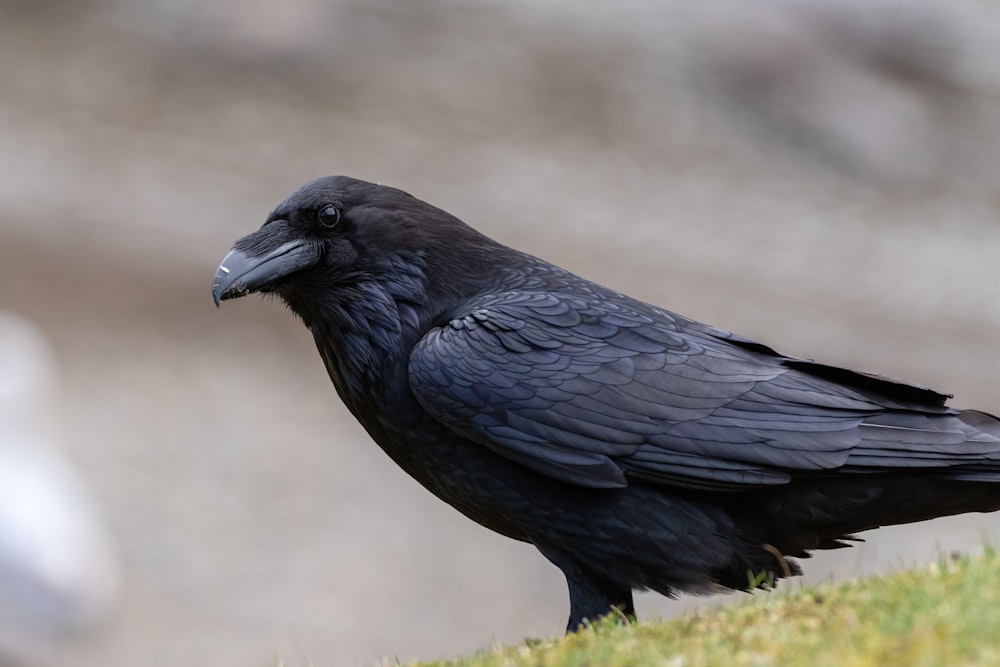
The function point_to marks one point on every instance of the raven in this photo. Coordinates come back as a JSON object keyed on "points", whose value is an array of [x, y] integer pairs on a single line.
{"points": [[635, 448]]}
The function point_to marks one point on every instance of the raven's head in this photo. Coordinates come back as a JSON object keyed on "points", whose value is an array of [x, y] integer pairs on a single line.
{"points": [[336, 231]]}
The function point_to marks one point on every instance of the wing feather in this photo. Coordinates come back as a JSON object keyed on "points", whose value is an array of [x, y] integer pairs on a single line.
{"points": [[598, 391]]}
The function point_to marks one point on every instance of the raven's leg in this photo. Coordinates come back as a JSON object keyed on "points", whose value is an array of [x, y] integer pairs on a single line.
{"points": [[591, 597]]}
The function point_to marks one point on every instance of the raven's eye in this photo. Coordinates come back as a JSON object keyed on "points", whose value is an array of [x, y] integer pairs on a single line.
{"points": [[329, 215]]}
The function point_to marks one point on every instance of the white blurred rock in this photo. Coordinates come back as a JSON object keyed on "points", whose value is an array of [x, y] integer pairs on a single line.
{"points": [[57, 571]]}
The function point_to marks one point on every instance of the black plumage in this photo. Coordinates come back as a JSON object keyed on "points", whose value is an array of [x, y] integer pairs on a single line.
{"points": [[635, 448]]}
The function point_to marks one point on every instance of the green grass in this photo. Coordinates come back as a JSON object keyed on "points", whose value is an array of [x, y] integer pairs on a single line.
{"points": [[944, 614]]}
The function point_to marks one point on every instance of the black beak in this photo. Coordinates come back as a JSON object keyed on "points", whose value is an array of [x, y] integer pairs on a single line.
{"points": [[241, 273]]}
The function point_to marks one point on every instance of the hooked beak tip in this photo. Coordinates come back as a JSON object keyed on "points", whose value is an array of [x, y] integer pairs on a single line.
{"points": [[224, 287]]}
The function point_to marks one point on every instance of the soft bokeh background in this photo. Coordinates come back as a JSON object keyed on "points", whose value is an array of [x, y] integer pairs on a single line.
{"points": [[820, 175]]}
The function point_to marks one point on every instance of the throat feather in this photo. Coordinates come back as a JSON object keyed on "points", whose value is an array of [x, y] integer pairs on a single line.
{"points": [[364, 328], [359, 334]]}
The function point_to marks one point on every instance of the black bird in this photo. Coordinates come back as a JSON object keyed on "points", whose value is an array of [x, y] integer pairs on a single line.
{"points": [[635, 448]]}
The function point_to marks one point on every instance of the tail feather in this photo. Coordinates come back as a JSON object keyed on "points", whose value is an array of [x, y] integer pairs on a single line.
{"points": [[822, 514], [954, 445]]}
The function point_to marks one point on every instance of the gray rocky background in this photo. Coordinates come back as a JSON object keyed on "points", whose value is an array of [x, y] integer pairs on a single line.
{"points": [[821, 176]]}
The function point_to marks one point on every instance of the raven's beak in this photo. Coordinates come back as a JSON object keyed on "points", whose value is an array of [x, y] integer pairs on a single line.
{"points": [[240, 274]]}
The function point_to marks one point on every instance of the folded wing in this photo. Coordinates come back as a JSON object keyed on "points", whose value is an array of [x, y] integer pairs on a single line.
{"points": [[599, 392]]}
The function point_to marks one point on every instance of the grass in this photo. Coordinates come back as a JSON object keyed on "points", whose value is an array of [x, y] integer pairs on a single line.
{"points": [[944, 614]]}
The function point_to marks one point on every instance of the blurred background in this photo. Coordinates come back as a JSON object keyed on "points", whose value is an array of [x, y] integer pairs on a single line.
{"points": [[820, 175]]}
